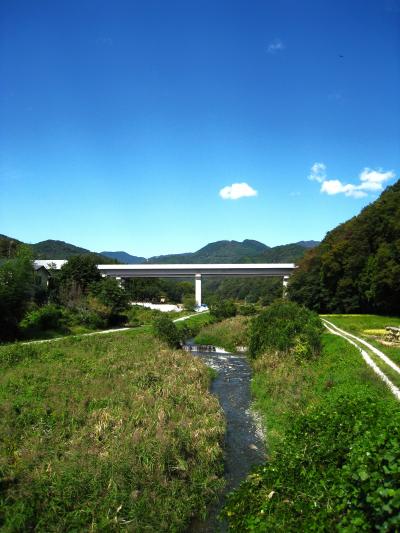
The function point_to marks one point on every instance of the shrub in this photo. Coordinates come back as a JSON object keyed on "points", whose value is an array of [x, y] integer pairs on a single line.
{"points": [[90, 318], [247, 310], [48, 317], [336, 470], [286, 327], [221, 309], [167, 331], [189, 302]]}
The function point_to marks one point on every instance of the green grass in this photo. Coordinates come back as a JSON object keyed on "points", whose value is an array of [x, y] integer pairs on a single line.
{"points": [[282, 386], [106, 433], [333, 447], [199, 319], [371, 328], [360, 324], [227, 334]]}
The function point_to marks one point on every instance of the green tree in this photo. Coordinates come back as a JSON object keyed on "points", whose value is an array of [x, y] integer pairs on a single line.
{"points": [[81, 270], [221, 309], [167, 331], [16, 289], [110, 293], [356, 268], [75, 278]]}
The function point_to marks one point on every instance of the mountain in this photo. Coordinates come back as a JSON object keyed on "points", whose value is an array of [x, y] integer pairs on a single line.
{"points": [[216, 252], [286, 253], [356, 268], [308, 244], [124, 257], [8, 246], [247, 251], [52, 249]]}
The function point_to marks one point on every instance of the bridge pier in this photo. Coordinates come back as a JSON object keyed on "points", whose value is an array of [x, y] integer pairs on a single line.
{"points": [[198, 289], [285, 283]]}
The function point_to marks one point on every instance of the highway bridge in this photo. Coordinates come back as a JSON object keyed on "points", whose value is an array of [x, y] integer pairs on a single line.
{"points": [[196, 271]]}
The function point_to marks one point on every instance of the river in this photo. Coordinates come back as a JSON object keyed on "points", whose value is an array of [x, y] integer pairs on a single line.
{"points": [[244, 439]]}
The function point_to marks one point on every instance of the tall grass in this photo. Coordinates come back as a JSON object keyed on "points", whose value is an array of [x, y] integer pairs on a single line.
{"points": [[105, 433], [228, 334]]}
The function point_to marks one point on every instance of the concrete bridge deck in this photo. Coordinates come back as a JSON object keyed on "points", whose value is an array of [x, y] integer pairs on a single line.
{"points": [[198, 270], [191, 270]]}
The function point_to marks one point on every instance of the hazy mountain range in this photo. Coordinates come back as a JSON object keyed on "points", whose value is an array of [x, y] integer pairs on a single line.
{"points": [[217, 252]]}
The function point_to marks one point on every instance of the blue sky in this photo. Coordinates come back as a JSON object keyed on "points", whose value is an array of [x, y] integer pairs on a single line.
{"points": [[121, 121]]}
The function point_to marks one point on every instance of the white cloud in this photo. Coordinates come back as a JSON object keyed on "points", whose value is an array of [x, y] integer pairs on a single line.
{"points": [[236, 191], [318, 172], [370, 181], [332, 187], [276, 46]]}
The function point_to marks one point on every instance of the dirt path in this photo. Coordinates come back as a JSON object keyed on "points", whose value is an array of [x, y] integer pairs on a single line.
{"points": [[356, 341]]}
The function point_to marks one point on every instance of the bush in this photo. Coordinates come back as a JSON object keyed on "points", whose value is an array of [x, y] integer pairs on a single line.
{"points": [[286, 327], [189, 302], [221, 309], [336, 470], [247, 310], [89, 318], [46, 318], [167, 331]]}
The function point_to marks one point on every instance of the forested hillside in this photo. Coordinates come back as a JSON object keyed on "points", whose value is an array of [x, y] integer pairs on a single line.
{"points": [[248, 251], [52, 249], [8, 246], [49, 249], [216, 252], [124, 257], [356, 268]]}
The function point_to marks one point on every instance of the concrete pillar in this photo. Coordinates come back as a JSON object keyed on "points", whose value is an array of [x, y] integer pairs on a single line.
{"points": [[198, 289], [120, 281], [285, 283]]}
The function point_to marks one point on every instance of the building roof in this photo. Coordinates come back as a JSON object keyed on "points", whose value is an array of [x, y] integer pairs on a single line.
{"points": [[54, 264]]}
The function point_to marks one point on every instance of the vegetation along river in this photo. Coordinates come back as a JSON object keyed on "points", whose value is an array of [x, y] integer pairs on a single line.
{"points": [[244, 440]]}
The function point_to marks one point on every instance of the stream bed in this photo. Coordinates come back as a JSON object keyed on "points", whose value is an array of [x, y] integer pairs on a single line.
{"points": [[244, 439]]}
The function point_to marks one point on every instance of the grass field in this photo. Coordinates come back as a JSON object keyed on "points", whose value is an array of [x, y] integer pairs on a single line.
{"points": [[369, 327], [372, 329], [106, 433], [227, 334]]}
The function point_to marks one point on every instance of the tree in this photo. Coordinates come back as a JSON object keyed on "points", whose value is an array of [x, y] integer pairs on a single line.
{"points": [[16, 289], [75, 279], [356, 268], [110, 293], [221, 309]]}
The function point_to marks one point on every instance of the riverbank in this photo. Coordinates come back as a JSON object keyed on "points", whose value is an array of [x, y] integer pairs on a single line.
{"points": [[333, 442]]}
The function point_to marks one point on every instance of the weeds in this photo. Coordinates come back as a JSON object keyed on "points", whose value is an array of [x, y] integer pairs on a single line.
{"points": [[228, 334], [106, 434]]}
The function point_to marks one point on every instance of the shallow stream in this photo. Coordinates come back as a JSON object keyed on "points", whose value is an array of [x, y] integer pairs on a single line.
{"points": [[244, 440]]}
